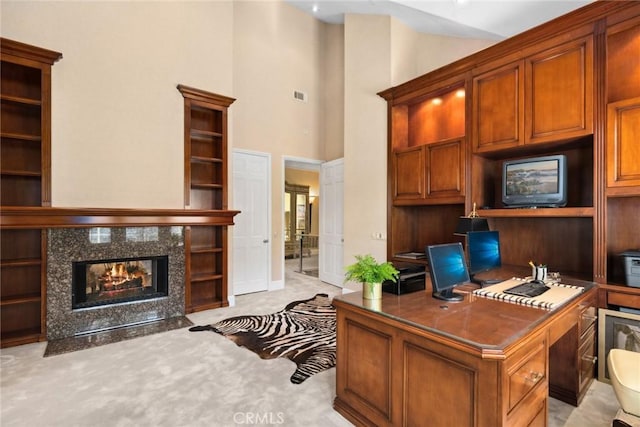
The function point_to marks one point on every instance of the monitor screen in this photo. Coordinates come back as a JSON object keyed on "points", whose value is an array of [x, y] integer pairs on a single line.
{"points": [[448, 268], [534, 177], [483, 248]]}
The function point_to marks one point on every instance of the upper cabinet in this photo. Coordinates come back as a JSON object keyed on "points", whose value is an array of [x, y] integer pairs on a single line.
{"points": [[623, 108], [428, 149], [545, 97], [498, 108], [623, 148]]}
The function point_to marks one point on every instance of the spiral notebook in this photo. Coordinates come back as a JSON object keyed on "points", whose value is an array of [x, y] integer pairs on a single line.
{"points": [[557, 295]]}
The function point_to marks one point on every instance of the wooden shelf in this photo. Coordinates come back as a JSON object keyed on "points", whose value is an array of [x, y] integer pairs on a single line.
{"points": [[204, 134], [21, 173], [205, 176], [201, 159], [34, 298], [21, 136], [205, 277], [204, 250], [43, 217], [207, 186], [25, 177], [537, 212], [21, 100], [28, 262]]}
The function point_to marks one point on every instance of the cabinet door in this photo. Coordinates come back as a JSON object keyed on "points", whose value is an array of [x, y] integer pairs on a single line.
{"points": [[623, 149], [445, 170], [559, 92], [498, 101], [409, 174]]}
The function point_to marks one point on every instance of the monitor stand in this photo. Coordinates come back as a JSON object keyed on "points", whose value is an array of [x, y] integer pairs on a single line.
{"points": [[485, 282], [448, 295]]}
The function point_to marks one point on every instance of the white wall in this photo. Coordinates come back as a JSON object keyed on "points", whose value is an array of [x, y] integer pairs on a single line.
{"points": [[117, 117], [276, 51], [367, 71]]}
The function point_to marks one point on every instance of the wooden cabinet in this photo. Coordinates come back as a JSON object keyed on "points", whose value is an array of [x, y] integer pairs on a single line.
{"points": [[571, 87], [25, 179], [622, 201], [432, 173], [26, 124], [623, 149], [525, 102], [552, 78], [409, 174], [427, 165], [498, 107], [205, 177], [394, 360], [573, 371], [524, 392]]}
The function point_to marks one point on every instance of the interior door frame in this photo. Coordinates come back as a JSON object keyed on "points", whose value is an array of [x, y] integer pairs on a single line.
{"points": [[305, 163]]}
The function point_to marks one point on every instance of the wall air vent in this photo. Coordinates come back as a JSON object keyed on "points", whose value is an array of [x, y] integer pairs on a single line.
{"points": [[300, 96]]}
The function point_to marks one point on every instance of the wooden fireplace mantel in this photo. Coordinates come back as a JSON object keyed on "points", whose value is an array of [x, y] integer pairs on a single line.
{"points": [[51, 217]]}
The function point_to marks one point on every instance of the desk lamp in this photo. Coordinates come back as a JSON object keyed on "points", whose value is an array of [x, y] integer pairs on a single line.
{"points": [[471, 222]]}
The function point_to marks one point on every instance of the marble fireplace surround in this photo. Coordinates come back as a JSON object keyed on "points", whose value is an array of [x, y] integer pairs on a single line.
{"points": [[68, 245]]}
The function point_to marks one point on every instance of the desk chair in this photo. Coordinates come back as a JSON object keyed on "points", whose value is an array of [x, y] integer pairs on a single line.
{"points": [[624, 369]]}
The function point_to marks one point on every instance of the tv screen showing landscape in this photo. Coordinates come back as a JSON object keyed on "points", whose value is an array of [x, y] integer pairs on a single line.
{"points": [[539, 177]]}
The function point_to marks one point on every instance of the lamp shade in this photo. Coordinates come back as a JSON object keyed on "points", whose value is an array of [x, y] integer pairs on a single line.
{"points": [[467, 224]]}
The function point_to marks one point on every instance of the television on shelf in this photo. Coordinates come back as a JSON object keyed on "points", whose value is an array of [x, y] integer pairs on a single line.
{"points": [[535, 182], [448, 269]]}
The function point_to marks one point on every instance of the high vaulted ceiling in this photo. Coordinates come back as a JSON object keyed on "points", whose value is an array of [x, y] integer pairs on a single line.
{"points": [[483, 19]]}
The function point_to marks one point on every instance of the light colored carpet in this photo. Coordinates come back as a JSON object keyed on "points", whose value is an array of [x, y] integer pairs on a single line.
{"points": [[182, 378]]}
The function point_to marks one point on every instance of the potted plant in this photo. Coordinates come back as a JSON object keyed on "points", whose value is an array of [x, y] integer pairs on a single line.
{"points": [[371, 274]]}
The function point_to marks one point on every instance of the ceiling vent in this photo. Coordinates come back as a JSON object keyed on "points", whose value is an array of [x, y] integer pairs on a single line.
{"points": [[300, 96]]}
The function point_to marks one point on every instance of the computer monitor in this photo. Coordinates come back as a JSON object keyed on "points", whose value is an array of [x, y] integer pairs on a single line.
{"points": [[483, 249], [448, 268]]}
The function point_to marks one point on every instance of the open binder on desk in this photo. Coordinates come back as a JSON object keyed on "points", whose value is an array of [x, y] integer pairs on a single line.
{"points": [[557, 295]]}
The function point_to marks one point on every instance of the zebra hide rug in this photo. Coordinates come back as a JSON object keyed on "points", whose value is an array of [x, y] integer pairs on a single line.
{"points": [[304, 332]]}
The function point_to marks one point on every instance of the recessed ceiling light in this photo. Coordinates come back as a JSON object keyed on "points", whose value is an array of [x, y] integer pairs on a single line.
{"points": [[314, 8]]}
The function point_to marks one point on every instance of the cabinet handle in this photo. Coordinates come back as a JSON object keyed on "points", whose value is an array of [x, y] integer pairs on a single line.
{"points": [[592, 359], [588, 317], [534, 377]]}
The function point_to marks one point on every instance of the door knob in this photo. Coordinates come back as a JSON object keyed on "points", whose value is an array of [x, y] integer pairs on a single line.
{"points": [[265, 241]]}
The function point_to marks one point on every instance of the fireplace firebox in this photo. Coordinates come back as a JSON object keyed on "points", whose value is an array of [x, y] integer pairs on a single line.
{"points": [[113, 281]]}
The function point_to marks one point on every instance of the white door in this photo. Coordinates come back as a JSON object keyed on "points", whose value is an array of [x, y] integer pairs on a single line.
{"points": [[331, 240], [251, 244]]}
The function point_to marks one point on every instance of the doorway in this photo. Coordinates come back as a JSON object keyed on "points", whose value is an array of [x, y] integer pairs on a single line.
{"points": [[301, 208]]}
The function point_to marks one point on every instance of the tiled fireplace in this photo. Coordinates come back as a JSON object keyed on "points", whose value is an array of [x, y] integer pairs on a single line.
{"points": [[105, 278]]}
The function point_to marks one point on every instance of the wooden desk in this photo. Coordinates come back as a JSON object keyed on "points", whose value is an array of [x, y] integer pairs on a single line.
{"points": [[415, 360]]}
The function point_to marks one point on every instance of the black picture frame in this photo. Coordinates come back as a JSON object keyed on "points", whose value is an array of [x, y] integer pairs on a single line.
{"points": [[616, 329]]}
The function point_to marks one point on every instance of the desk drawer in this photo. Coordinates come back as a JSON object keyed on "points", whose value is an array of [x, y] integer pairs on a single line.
{"points": [[623, 299], [587, 359], [526, 370], [588, 316]]}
